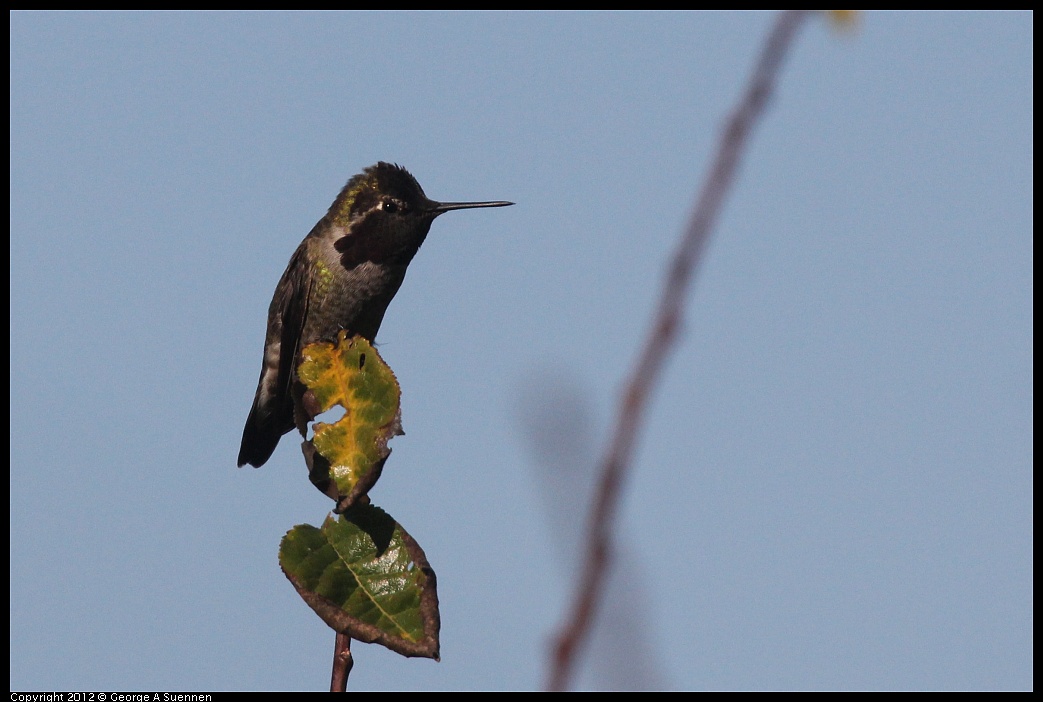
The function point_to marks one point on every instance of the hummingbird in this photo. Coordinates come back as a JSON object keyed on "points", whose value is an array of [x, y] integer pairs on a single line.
{"points": [[342, 276]]}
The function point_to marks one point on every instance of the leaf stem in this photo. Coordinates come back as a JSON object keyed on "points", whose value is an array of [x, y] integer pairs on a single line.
{"points": [[342, 663]]}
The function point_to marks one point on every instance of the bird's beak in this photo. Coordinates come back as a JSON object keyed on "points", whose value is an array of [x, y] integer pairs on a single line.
{"points": [[440, 207]]}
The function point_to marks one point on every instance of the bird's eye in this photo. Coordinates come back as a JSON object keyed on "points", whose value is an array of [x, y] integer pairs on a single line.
{"points": [[389, 206]]}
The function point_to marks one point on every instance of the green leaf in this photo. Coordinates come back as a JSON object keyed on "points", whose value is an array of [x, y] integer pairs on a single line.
{"points": [[353, 449], [366, 577]]}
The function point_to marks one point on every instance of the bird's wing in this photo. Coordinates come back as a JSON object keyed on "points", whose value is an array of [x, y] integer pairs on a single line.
{"points": [[272, 413]]}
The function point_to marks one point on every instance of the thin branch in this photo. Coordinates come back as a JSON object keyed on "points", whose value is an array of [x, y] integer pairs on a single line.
{"points": [[342, 663], [660, 340]]}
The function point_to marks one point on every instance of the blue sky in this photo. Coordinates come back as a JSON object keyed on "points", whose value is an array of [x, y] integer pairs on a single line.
{"points": [[834, 486]]}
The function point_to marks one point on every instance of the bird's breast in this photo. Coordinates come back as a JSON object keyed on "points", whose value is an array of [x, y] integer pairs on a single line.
{"points": [[353, 298]]}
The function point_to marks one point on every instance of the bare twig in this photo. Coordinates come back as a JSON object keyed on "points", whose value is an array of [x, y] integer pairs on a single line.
{"points": [[660, 340], [342, 663]]}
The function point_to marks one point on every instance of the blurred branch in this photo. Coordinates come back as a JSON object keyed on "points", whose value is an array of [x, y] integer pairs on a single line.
{"points": [[661, 337]]}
